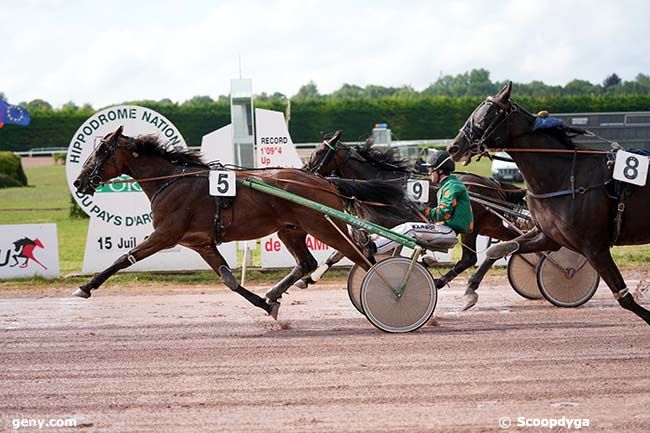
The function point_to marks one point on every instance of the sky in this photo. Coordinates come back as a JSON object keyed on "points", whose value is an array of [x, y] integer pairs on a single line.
{"points": [[107, 52]]}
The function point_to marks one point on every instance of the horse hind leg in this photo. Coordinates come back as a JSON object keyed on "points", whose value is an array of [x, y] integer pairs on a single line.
{"points": [[604, 264], [315, 276], [213, 257], [530, 242], [294, 240], [468, 259]]}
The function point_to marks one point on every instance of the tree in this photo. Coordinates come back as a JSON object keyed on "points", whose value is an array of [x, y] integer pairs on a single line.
{"points": [[69, 107], [38, 105], [348, 91], [2, 96], [581, 88], [612, 80], [199, 101], [308, 91]]}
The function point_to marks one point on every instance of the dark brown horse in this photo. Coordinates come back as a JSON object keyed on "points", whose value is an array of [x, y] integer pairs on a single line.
{"points": [[184, 213], [370, 162], [571, 194]]}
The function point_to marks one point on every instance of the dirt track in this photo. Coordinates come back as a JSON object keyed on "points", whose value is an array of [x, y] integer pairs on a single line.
{"points": [[191, 360]]}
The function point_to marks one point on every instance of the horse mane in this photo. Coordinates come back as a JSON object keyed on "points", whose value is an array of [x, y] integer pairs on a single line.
{"points": [[559, 134], [563, 134], [152, 145], [385, 159]]}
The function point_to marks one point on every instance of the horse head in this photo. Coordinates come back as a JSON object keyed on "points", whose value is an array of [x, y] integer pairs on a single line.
{"points": [[324, 160], [486, 128], [104, 163]]}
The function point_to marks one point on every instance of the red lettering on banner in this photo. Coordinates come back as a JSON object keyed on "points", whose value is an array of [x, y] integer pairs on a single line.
{"points": [[315, 245], [271, 245]]}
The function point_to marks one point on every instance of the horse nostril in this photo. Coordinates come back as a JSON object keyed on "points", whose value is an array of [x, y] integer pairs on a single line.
{"points": [[76, 184], [453, 150]]}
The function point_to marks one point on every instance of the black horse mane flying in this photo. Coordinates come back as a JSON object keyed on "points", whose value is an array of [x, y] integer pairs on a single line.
{"points": [[385, 158], [152, 145]]}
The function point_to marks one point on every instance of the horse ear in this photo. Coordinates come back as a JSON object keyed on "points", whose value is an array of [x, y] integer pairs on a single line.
{"points": [[504, 94], [119, 131]]}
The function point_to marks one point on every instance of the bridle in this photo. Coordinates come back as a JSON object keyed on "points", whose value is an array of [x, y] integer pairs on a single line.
{"points": [[478, 144], [325, 159], [108, 152]]}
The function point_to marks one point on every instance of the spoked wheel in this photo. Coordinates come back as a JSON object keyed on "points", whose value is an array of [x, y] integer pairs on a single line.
{"points": [[392, 308], [355, 278], [570, 281], [522, 275]]}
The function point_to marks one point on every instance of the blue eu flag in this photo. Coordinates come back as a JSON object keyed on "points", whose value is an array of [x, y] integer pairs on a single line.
{"points": [[13, 114]]}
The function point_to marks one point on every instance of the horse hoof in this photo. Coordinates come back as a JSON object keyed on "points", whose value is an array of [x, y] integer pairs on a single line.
{"points": [[275, 307], [300, 284], [429, 262], [228, 278], [470, 300], [81, 293]]}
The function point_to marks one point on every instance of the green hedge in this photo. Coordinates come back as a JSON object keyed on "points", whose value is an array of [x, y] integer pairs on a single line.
{"points": [[409, 117], [12, 169]]}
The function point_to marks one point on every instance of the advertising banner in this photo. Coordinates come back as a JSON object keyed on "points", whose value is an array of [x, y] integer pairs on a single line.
{"points": [[28, 250], [121, 213]]}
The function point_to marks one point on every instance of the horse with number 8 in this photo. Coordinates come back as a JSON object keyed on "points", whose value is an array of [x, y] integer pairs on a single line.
{"points": [[176, 182], [572, 196]]}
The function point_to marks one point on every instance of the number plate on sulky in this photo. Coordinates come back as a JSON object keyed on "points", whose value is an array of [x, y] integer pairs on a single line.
{"points": [[631, 168], [222, 183], [418, 190]]}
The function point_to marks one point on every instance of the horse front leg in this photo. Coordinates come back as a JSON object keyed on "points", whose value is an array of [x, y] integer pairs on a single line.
{"points": [[530, 242], [157, 241], [602, 262], [315, 276], [213, 257]]}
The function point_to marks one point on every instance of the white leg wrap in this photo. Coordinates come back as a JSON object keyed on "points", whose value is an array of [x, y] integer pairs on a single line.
{"points": [[131, 259], [318, 273], [621, 293]]}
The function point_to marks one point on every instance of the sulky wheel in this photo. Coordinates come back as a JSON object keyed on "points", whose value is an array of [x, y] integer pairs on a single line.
{"points": [[389, 311], [355, 278], [570, 281], [522, 275]]}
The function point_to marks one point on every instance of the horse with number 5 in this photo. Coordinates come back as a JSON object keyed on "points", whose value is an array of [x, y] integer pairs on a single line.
{"points": [[572, 196], [176, 182]]}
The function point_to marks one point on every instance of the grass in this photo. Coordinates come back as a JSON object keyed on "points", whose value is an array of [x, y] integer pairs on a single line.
{"points": [[48, 189]]}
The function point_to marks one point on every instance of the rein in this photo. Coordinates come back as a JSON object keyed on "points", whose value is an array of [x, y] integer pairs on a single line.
{"points": [[151, 179], [548, 150]]}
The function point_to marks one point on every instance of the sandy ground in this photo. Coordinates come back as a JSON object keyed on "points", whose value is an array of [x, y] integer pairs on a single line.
{"points": [[196, 360]]}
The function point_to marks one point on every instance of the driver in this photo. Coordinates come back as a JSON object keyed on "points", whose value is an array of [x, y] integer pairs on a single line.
{"points": [[452, 216]]}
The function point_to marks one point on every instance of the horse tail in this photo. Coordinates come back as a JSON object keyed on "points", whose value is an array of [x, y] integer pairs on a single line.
{"points": [[393, 205], [370, 190], [514, 194]]}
